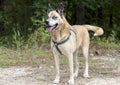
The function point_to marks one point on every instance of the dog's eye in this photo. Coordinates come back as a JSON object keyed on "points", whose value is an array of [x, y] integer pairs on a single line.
{"points": [[54, 17]]}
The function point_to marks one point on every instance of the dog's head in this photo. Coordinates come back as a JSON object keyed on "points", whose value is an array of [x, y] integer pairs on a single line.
{"points": [[54, 20]]}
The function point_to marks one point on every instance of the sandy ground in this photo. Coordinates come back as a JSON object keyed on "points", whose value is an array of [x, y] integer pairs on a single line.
{"points": [[104, 72]]}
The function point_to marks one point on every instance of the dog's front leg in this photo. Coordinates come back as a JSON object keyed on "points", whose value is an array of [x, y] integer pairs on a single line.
{"points": [[57, 78], [76, 64], [71, 81]]}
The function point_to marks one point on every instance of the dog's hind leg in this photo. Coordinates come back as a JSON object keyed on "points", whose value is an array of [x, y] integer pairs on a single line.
{"points": [[57, 78], [85, 53], [76, 63], [70, 57]]}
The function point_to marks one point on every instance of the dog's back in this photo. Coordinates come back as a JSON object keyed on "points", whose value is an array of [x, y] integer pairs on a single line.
{"points": [[83, 35]]}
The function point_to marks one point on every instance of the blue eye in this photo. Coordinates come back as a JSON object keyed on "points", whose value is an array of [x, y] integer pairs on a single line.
{"points": [[54, 17]]}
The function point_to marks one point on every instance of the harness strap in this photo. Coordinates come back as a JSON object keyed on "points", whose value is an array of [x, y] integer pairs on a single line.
{"points": [[74, 33], [56, 44]]}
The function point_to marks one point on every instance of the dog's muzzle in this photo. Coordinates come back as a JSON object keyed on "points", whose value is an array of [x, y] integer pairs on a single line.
{"points": [[50, 28]]}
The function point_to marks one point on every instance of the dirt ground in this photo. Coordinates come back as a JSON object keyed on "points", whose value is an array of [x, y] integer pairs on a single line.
{"points": [[104, 70]]}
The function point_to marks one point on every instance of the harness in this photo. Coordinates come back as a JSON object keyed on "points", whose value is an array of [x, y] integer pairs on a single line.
{"points": [[56, 44]]}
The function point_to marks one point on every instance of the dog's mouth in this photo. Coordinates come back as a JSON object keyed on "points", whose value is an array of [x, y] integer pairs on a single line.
{"points": [[50, 28]]}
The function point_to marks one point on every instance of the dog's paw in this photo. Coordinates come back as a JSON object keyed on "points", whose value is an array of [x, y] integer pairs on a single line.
{"points": [[56, 81], [76, 74], [71, 81], [86, 76]]}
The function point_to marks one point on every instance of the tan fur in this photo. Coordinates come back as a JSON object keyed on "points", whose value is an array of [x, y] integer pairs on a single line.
{"points": [[70, 48]]}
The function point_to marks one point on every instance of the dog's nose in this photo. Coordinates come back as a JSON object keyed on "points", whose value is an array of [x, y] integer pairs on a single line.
{"points": [[47, 22]]}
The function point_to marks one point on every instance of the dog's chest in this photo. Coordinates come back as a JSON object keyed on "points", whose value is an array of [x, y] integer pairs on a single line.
{"points": [[61, 49], [56, 36], [64, 48]]}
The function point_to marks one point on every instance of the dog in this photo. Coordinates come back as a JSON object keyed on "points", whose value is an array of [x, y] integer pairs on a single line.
{"points": [[66, 40]]}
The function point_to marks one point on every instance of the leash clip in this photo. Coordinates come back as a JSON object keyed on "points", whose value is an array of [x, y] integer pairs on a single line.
{"points": [[55, 44]]}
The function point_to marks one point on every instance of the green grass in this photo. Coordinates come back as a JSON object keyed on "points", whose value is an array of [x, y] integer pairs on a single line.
{"points": [[10, 57], [104, 46]]}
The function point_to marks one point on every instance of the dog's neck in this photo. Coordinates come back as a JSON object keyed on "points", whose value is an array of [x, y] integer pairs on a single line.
{"points": [[61, 34]]}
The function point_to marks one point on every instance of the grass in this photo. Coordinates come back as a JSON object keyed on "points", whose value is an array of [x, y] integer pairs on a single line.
{"points": [[15, 57], [10, 57], [104, 46]]}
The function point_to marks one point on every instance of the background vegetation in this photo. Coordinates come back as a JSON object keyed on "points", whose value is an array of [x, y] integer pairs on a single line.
{"points": [[22, 21]]}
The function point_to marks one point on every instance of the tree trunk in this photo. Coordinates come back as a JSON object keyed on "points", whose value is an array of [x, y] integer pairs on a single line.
{"points": [[110, 20], [100, 19], [79, 12]]}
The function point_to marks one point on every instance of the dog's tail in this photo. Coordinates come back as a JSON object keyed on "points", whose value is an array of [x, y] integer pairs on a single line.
{"points": [[98, 30]]}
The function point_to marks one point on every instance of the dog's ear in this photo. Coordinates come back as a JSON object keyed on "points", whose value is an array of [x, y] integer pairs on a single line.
{"points": [[60, 9], [49, 8]]}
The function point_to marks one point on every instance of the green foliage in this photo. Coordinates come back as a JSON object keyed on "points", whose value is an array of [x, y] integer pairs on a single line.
{"points": [[40, 35], [112, 37], [17, 39], [15, 21], [22, 21], [109, 42]]}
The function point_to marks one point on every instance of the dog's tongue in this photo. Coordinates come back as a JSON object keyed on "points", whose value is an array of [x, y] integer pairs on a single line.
{"points": [[50, 28]]}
